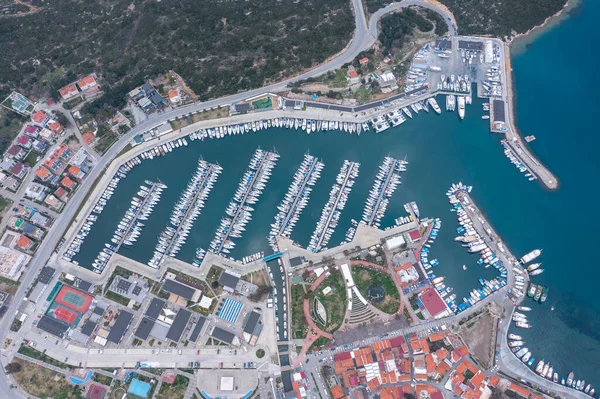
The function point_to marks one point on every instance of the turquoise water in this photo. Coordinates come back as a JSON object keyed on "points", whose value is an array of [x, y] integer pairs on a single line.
{"points": [[555, 78], [79, 381]]}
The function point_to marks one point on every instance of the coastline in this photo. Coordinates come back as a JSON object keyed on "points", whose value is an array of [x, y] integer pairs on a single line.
{"points": [[520, 41]]}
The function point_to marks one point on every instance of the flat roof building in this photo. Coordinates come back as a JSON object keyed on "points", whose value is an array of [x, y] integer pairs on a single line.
{"points": [[52, 326], [181, 320], [46, 274], [198, 328], [153, 311], [120, 327], [224, 336], [182, 290], [144, 329], [229, 280]]}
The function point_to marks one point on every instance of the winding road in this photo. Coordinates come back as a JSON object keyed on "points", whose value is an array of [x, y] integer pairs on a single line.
{"points": [[364, 37]]}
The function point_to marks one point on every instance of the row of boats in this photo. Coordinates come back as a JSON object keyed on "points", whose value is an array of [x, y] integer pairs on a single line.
{"points": [[452, 101], [185, 212], [386, 181], [331, 213], [437, 282], [458, 83], [296, 199], [544, 369], [398, 116], [75, 245], [515, 159], [130, 226], [163, 149], [475, 243], [239, 211], [538, 293], [492, 84]]}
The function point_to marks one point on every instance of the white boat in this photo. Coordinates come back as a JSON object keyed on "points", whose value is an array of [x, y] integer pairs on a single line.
{"points": [[461, 107]]}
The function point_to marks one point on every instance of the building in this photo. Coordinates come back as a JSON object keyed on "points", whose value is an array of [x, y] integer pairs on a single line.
{"points": [[68, 91], [395, 242], [55, 126], [76, 172], [363, 61], [53, 202], [120, 327], [434, 304], [181, 290], [40, 118], [24, 141], [35, 191], [31, 130], [87, 82], [174, 96], [224, 336], [387, 82], [61, 194], [229, 280], [352, 76], [179, 324], [68, 183], [15, 152], [131, 287], [25, 243], [12, 262], [32, 231], [252, 327], [19, 170]]}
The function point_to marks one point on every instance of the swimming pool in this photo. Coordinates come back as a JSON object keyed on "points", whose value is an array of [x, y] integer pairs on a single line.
{"points": [[79, 381]]}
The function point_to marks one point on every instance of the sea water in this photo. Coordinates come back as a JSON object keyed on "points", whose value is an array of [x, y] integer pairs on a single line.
{"points": [[556, 79]]}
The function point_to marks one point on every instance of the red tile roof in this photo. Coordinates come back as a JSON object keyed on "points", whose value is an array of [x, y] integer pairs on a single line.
{"points": [[42, 172], [39, 117], [433, 302], [337, 392], [363, 60], [353, 74], [88, 137], [519, 390], [23, 242], [23, 140], [86, 82], [68, 91]]}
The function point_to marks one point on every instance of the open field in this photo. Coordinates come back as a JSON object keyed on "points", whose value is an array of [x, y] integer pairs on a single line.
{"points": [[44, 383]]}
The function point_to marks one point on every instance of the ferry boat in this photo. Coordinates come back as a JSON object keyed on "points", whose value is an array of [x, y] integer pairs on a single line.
{"points": [[531, 256]]}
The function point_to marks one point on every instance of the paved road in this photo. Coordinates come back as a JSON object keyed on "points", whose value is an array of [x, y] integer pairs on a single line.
{"points": [[364, 37]]}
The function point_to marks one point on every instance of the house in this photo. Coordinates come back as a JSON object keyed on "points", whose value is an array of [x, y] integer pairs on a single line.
{"points": [[32, 231], [39, 146], [10, 183], [46, 134], [36, 191], [363, 61], [87, 82], [352, 76], [15, 152], [25, 243], [12, 262], [41, 220], [387, 82], [174, 96], [69, 91], [55, 126], [68, 183], [24, 141], [61, 194], [40, 118], [53, 163], [76, 172], [43, 174], [19, 170], [88, 137], [53, 202], [31, 130]]}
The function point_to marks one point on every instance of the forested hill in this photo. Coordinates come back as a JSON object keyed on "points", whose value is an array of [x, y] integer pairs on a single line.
{"points": [[499, 18], [218, 47]]}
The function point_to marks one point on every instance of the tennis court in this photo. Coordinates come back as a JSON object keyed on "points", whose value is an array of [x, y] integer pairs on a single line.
{"points": [[65, 314], [74, 299]]}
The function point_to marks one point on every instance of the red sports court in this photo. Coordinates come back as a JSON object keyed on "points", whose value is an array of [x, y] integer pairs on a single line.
{"points": [[74, 299], [65, 314]]}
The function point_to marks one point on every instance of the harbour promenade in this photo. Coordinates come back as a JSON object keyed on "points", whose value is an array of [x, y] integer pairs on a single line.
{"points": [[513, 138]]}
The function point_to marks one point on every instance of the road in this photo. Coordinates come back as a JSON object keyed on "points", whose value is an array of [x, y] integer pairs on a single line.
{"points": [[364, 37]]}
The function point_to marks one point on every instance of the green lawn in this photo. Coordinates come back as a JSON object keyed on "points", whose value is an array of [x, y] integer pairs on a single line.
{"points": [[299, 325], [334, 302], [365, 277]]}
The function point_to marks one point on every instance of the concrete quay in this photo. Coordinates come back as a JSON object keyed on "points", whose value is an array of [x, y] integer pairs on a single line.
{"points": [[513, 137], [365, 237]]}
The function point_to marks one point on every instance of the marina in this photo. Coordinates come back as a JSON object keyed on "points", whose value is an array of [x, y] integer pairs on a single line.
{"points": [[130, 227], [388, 178], [295, 199], [240, 208], [331, 213], [185, 213]]}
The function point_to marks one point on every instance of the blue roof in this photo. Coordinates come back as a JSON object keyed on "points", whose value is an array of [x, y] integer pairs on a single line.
{"points": [[139, 388]]}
